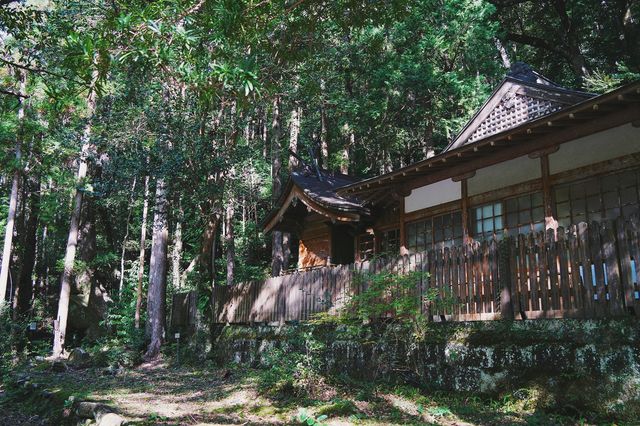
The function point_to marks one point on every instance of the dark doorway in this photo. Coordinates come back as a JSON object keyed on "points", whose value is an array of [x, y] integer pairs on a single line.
{"points": [[342, 248]]}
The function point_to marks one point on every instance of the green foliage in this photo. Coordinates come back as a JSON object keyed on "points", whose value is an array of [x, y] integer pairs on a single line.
{"points": [[122, 344], [294, 367], [307, 419], [397, 295], [387, 293], [600, 82]]}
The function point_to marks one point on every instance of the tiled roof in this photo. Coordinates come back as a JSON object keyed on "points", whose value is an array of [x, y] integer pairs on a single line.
{"points": [[323, 190]]}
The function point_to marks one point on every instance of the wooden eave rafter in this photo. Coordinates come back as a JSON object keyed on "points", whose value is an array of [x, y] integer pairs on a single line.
{"points": [[312, 205], [592, 115]]}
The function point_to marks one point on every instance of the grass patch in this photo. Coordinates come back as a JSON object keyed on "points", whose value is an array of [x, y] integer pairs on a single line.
{"points": [[338, 408]]}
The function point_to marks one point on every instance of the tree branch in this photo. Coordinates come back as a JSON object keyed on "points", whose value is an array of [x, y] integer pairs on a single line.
{"points": [[535, 42], [39, 70], [10, 93]]}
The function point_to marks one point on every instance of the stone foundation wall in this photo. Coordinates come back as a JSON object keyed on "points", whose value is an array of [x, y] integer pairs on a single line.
{"points": [[478, 357]]}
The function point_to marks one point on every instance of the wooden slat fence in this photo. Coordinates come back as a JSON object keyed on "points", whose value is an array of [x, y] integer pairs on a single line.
{"points": [[585, 271]]}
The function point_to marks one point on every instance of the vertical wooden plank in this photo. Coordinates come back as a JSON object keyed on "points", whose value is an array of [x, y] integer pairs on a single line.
{"points": [[552, 262], [610, 258], [294, 294], [565, 284], [484, 273], [534, 272], [585, 270], [503, 277], [468, 279], [260, 289], [477, 272], [432, 279], [334, 279], [625, 265], [595, 244], [243, 303], [574, 262], [543, 271], [455, 282], [446, 281], [495, 282], [524, 274], [634, 249], [315, 290], [268, 303], [437, 281], [304, 282], [513, 280]]}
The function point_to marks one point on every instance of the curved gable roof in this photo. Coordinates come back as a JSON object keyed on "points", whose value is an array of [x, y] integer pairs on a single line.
{"points": [[319, 193]]}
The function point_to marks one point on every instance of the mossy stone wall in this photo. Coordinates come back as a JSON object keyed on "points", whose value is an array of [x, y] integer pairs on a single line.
{"points": [[487, 357]]}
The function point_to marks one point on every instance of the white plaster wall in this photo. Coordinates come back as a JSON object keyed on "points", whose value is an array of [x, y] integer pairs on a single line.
{"points": [[432, 195], [605, 145], [498, 176]]}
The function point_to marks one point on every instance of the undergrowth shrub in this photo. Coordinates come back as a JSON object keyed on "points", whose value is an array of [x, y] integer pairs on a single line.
{"points": [[396, 295], [123, 344], [295, 368], [15, 344]]}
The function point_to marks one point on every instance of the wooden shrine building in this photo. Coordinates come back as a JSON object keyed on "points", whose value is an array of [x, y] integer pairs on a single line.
{"points": [[535, 156]]}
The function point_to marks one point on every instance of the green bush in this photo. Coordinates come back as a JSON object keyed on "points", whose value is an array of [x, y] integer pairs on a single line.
{"points": [[294, 368]]}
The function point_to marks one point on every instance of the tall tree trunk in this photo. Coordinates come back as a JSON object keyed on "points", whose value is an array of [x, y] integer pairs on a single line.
{"points": [[176, 253], [60, 326], [344, 164], [504, 55], [126, 237], [206, 250], [24, 291], [572, 40], [13, 198], [229, 240], [294, 133], [265, 135], [631, 31], [324, 141], [143, 241], [276, 165], [157, 272]]}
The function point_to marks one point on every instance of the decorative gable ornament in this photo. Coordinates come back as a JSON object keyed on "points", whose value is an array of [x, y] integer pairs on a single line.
{"points": [[523, 96]]}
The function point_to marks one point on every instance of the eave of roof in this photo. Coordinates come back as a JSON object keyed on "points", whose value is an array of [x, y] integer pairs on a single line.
{"points": [[569, 116], [346, 210]]}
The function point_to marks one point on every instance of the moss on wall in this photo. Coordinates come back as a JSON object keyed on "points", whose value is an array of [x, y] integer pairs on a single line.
{"points": [[586, 365]]}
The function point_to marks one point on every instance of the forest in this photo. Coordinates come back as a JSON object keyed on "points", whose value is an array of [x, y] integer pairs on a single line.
{"points": [[142, 143]]}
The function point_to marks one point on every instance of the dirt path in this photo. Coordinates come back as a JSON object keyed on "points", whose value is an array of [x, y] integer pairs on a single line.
{"points": [[158, 394]]}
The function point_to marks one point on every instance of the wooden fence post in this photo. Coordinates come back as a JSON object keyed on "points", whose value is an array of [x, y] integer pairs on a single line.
{"points": [[610, 254], [504, 278], [625, 264]]}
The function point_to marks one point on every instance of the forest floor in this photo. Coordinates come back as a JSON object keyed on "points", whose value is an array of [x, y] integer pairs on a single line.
{"points": [[160, 394]]}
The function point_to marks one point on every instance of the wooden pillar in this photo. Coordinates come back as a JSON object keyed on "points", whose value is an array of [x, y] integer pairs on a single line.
{"points": [[549, 221], [403, 235], [464, 207]]}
